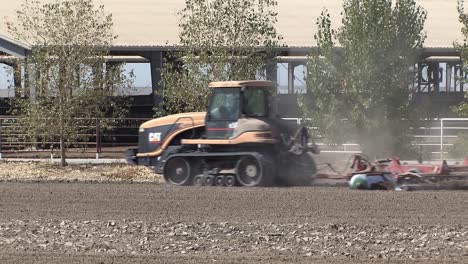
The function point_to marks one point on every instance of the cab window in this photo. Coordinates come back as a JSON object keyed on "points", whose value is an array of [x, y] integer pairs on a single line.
{"points": [[225, 104], [255, 102]]}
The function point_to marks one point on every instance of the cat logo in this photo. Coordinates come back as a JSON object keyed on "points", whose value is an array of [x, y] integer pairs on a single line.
{"points": [[154, 137]]}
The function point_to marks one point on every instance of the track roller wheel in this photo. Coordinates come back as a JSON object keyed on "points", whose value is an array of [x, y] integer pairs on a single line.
{"points": [[177, 171], [209, 180], [230, 181], [249, 172], [198, 180], [220, 181]]}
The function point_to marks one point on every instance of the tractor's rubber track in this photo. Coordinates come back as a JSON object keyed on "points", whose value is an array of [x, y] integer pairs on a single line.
{"points": [[200, 178], [270, 172]]}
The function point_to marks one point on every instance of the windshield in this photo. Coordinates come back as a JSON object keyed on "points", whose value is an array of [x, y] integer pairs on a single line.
{"points": [[225, 104]]}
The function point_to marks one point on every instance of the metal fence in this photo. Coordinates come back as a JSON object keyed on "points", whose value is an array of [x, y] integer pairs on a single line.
{"points": [[442, 134], [96, 141], [434, 139]]}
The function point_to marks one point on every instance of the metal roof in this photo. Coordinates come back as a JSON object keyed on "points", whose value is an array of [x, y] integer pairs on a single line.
{"points": [[150, 25], [12, 47]]}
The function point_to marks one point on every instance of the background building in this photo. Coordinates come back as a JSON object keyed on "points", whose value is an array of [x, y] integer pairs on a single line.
{"points": [[148, 29]]}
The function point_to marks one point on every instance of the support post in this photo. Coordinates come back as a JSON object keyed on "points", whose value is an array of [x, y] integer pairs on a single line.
{"points": [[461, 82], [272, 72], [17, 79], [436, 79], [441, 139], [1, 138], [291, 78], [419, 76], [156, 62], [98, 138], [448, 78], [30, 91]]}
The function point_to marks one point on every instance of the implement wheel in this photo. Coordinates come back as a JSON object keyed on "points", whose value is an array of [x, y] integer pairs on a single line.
{"points": [[249, 172], [177, 171]]}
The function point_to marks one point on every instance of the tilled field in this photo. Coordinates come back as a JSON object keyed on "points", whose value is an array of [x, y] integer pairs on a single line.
{"points": [[145, 223]]}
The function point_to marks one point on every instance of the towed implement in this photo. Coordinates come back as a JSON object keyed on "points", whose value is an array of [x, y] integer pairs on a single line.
{"points": [[239, 141], [391, 174]]}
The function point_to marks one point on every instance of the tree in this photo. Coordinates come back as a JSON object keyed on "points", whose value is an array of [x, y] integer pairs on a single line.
{"points": [[462, 109], [360, 89], [220, 40], [68, 84]]}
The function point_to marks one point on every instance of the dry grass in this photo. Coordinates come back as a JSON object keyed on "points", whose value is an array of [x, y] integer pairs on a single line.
{"points": [[34, 171]]}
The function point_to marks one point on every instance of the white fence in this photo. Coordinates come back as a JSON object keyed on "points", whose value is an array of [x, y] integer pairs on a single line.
{"points": [[433, 139], [446, 132]]}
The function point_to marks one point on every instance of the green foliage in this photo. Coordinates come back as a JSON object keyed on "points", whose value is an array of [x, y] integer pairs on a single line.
{"points": [[221, 40], [459, 150], [361, 89], [68, 83], [462, 109]]}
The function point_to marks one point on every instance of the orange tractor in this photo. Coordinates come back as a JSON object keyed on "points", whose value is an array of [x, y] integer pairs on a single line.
{"points": [[240, 140]]}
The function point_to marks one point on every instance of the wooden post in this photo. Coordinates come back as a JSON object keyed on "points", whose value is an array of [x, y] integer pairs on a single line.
{"points": [[1, 137], [98, 138]]}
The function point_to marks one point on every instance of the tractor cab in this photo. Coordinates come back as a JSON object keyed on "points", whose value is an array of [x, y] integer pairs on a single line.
{"points": [[232, 101]]}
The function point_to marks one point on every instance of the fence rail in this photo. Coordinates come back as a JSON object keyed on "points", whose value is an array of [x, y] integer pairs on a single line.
{"points": [[110, 142], [433, 139]]}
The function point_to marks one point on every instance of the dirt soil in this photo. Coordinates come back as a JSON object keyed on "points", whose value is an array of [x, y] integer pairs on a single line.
{"points": [[113, 219]]}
